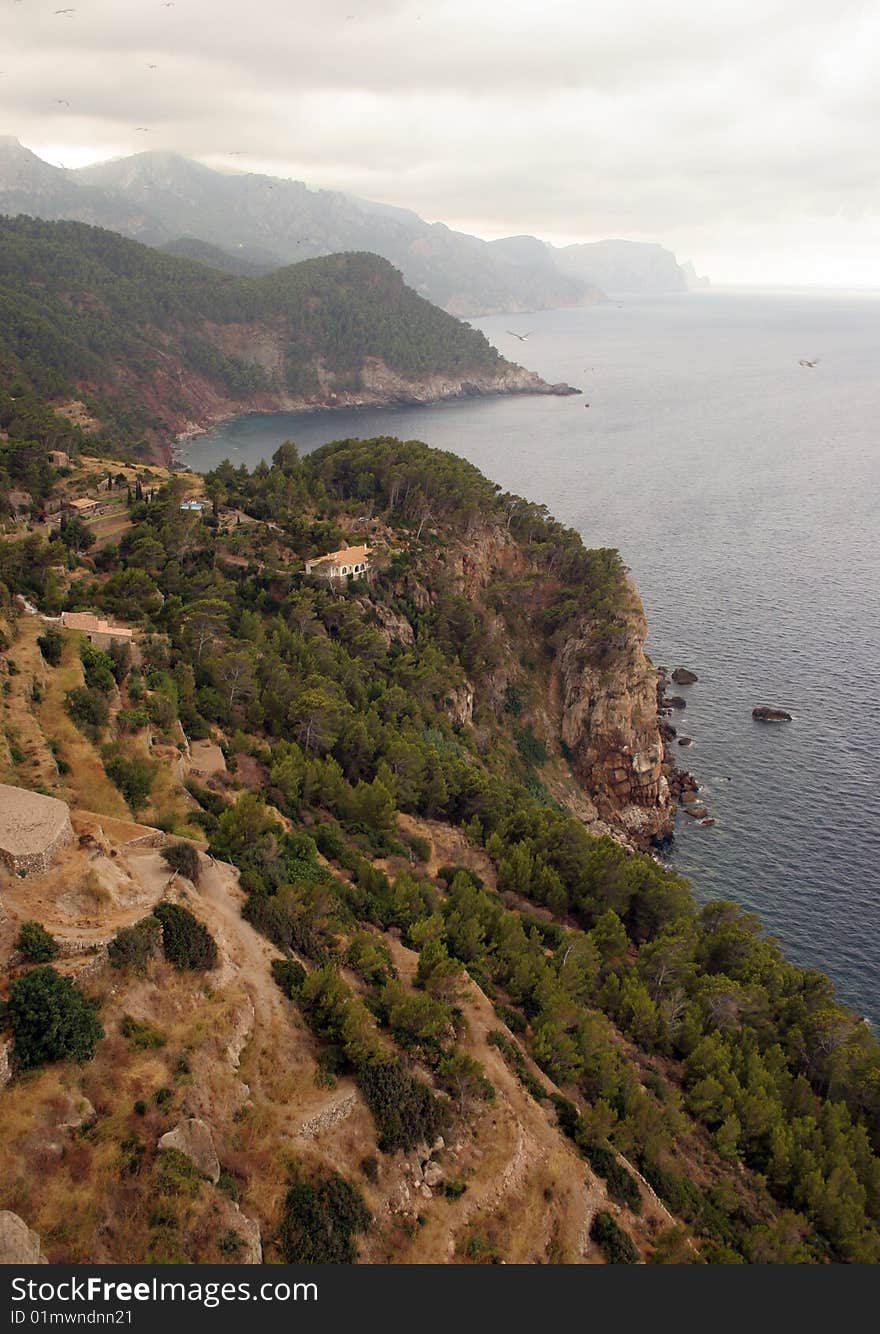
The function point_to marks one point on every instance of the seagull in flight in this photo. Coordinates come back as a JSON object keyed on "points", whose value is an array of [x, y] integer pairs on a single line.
{"points": [[142, 129], [805, 361], [522, 337], [62, 101], [65, 11], [152, 67]]}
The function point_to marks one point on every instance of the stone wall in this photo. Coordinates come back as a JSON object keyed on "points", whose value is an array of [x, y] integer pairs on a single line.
{"points": [[31, 863]]}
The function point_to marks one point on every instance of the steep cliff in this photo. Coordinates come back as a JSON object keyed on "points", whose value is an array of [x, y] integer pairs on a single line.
{"points": [[611, 728]]}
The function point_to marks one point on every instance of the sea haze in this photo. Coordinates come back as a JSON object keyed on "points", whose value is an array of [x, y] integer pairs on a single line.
{"points": [[743, 491]]}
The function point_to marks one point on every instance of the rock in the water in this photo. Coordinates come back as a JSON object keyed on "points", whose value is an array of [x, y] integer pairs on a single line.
{"points": [[685, 741], [194, 1139], [697, 812], [688, 797], [674, 702], [764, 714], [18, 1244], [683, 677], [707, 822]]}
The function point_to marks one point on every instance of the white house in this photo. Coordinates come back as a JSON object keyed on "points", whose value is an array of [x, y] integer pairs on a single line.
{"points": [[349, 563]]}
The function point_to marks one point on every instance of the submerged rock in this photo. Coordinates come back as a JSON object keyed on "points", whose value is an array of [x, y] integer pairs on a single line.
{"points": [[682, 676], [685, 740], [674, 702], [764, 714]]}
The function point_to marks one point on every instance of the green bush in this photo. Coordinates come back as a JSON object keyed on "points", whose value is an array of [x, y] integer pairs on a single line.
{"points": [[141, 1035], [134, 946], [289, 975], [51, 645], [184, 859], [406, 1112], [35, 943], [51, 1020], [615, 1244], [133, 776], [186, 943], [320, 1220], [88, 708]]}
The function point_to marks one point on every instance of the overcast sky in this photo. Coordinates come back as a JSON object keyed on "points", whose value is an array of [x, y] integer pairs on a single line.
{"points": [[744, 135]]}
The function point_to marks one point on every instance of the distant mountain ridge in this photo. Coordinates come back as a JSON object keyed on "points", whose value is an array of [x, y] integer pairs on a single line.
{"points": [[156, 344], [166, 200]]}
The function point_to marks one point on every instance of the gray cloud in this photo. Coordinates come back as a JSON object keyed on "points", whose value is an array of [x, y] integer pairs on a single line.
{"points": [[706, 127]]}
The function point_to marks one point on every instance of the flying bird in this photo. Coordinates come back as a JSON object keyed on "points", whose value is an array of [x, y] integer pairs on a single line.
{"points": [[522, 337], [804, 361], [62, 101], [65, 11], [152, 67], [142, 129]]}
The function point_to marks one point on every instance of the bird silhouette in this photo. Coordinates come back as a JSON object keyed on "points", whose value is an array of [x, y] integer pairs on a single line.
{"points": [[142, 129], [152, 67], [62, 101], [65, 11], [522, 337], [804, 361]]}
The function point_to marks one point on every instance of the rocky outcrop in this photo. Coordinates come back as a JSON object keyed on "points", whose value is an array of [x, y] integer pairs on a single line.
{"points": [[459, 704], [763, 713], [682, 676], [193, 1138], [610, 726], [18, 1244]]}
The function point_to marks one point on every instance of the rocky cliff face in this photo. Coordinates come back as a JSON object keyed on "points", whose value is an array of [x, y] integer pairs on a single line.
{"points": [[611, 727], [607, 717]]}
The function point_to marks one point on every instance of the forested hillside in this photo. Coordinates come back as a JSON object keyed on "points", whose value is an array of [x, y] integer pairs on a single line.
{"points": [[151, 341], [476, 959]]}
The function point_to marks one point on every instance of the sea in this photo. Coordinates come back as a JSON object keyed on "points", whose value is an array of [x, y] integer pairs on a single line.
{"points": [[742, 489]]}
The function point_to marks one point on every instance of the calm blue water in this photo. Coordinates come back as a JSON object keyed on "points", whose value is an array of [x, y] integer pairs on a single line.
{"points": [[743, 491]]}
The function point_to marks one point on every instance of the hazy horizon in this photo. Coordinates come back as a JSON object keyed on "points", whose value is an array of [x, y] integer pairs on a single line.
{"points": [[741, 139]]}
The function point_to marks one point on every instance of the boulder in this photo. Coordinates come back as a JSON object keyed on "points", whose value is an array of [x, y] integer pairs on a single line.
{"points": [[18, 1244], [433, 1174], [689, 796], [685, 741], [193, 1138], [248, 1233], [764, 714], [674, 702], [696, 812], [683, 677], [78, 1114]]}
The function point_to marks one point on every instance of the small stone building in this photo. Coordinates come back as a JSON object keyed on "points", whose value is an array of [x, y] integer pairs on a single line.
{"points": [[97, 630], [59, 459], [349, 563], [33, 829], [85, 507]]}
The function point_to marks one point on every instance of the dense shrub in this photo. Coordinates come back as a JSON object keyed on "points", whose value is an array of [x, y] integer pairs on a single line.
{"points": [[320, 1220], [184, 859], [141, 1035], [289, 975], [134, 946], [406, 1112], [51, 1020], [186, 943], [133, 776], [35, 943], [615, 1244], [51, 645], [88, 708]]}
